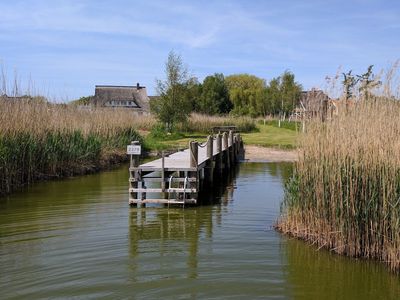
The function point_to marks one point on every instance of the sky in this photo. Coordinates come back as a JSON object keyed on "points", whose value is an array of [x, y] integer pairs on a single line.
{"points": [[63, 48]]}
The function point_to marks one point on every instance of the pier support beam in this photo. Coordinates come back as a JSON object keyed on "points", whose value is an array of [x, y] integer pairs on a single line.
{"points": [[209, 169], [194, 154], [219, 157], [194, 159], [225, 148], [182, 176], [134, 176], [231, 148]]}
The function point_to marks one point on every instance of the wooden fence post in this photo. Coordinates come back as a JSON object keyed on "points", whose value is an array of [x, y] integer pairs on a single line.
{"points": [[135, 175], [219, 153], [209, 169], [194, 154], [231, 149], [226, 150]]}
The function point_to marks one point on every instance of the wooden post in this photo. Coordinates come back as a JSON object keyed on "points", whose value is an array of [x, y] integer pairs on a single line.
{"points": [[162, 171], [242, 153], [219, 153], [134, 163], [231, 149], [234, 148], [238, 147], [226, 150], [210, 144], [209, 169], [194, 154]]}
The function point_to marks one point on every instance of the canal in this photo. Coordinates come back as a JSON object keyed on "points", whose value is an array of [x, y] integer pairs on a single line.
{"points": [[79, 238]]}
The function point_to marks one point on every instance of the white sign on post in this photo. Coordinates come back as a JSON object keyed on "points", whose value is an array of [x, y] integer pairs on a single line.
{"points": [[134, 149]]}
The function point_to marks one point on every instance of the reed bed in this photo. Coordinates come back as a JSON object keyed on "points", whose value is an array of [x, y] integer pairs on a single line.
{"points": [[345, 192], [205, 123], [42, 140]]}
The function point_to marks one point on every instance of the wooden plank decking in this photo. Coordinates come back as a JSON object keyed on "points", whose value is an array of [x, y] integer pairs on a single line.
{"points": [[180, 176], [180, 161]]}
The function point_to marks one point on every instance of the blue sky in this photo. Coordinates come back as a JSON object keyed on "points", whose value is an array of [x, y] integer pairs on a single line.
{"points": [[67, 47]]}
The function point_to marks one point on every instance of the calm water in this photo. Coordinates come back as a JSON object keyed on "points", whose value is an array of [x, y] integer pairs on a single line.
{"points": [[79, 238]]}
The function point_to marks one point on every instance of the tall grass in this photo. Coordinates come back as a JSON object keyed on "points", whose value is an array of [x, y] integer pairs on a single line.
{"points": [[41, 140], [345, 193], [204, 123]]}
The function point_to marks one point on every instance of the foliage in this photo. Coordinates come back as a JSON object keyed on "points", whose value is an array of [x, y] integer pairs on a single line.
{"points": [[172, 106], [349, 82], [282, 94], [368, 81], [42, 140], [250, 95], [365, 83], [158, 132], [82, 101], [246, 93], [193, 90], [214, 96]]}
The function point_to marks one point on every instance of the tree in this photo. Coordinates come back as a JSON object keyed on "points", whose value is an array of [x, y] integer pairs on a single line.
{"points": [[193, 90], [282, 94], [290, 92], [172, 106], [247, 93], [214, 96], [272, 103], [349, 82], [368, 81]]}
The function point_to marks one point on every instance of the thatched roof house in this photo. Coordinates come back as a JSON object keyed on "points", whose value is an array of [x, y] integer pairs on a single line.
{"points": [[132, 97], [314, 102]]}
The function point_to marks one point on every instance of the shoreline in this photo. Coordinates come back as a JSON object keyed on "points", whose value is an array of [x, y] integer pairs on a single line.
{"points": [[114, 158], [263, 154]]}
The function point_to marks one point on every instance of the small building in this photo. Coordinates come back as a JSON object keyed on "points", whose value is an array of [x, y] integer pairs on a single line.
{"points": [[314, 103], [129, 97]]}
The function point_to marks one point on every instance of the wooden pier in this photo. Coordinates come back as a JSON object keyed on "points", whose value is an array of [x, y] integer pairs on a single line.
{"points": [[179, 177]]}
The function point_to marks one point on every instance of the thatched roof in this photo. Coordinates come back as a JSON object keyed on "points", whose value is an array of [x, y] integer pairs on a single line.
{"points": [[138, 94], [313, 100]]}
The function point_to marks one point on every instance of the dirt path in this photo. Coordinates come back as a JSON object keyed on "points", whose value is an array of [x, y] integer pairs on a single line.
{"points": [[263, 154]]}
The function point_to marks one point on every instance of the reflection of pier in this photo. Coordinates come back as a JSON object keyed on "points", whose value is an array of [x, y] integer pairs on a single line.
{"points": [[181, 176], [171, 232]]}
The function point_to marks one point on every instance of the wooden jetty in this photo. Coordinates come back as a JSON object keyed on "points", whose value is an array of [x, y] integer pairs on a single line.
{"points": [[179, 177]]}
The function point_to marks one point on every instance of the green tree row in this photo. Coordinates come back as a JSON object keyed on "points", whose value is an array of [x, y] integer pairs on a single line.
{"points": [[239, 94]]}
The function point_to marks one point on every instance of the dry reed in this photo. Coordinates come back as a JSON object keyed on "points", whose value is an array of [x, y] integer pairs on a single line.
{"points": [[205, 123], [345, 193], [41, 140]]}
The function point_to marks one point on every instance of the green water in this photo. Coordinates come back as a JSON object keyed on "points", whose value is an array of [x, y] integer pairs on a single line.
{"points": [[78, 238]]}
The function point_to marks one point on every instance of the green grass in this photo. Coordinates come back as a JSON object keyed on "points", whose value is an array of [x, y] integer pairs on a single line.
{"points": [[265, 136], [283, 124], [173, 142], [271, 136]]}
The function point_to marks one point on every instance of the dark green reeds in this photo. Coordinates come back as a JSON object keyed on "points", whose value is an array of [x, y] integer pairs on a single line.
{"points": [[40, 140]]}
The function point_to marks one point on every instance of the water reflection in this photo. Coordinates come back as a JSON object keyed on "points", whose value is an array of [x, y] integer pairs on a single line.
{"points": [[162, 227], [321, 275], [79, 239]]}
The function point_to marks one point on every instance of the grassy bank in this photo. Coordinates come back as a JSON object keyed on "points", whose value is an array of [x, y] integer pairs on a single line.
{"points": [[271, 136], [40, 140], [262, 135], [345, 192], [198, 127]]}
